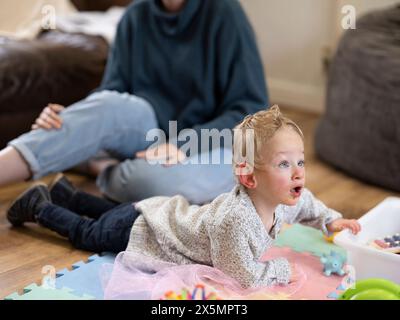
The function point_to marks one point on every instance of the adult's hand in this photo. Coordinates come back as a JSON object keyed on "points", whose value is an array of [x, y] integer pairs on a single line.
{"points": [[49, 118], [168, 154]]}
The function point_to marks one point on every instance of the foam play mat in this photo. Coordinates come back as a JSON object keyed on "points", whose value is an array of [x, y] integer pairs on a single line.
{"points": [[306, 239], [81, 283], [301, 245]]}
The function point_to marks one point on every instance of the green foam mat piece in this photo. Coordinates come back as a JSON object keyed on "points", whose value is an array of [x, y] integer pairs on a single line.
{"points": [[306, 239], [35, 292]]}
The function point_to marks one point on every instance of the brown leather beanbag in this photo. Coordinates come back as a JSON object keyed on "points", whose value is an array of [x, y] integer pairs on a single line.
{"points": [[55, 68]]}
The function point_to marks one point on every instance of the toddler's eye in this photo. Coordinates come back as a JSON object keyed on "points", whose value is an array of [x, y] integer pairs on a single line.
{"points": [[284, 164], [301, 163]]}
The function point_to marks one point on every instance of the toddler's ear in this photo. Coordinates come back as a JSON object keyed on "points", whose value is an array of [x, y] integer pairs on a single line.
{"points": [[246, 175]]}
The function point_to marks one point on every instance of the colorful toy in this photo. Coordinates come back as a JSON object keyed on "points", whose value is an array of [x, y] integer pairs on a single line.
{"points": [[186, 295], [372, 289], [388, 244], [330, 239], [333, 263]]}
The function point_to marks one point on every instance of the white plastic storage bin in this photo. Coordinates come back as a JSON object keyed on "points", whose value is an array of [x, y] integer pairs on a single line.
{"points": [[381, 221]]}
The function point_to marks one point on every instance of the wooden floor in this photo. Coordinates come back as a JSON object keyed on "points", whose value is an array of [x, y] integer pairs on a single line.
{"points": [[25, 251]]}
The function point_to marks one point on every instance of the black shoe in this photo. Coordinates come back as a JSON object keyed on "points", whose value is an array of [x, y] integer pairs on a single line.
{"points": [[28, 204], [61, 191]]}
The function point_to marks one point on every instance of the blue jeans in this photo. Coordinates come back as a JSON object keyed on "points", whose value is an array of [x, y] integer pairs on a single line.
{"points": [[118, 123], [91, 223]]}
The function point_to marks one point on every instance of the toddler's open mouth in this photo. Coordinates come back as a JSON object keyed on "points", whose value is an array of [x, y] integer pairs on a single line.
{"points": [[296, 191]]}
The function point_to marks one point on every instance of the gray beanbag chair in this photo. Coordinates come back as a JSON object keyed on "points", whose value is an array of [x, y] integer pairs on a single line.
{"points": [[360, 131]]}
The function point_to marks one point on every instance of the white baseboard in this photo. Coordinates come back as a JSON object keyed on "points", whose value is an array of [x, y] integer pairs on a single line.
{"points": [[303, 97]]}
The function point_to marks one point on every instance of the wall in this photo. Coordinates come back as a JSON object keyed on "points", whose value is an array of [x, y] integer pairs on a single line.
{"points": [[22, 19], [294, 36]]}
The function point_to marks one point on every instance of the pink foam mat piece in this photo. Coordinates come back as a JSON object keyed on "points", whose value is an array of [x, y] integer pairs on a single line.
{"points": [[317, 286]]}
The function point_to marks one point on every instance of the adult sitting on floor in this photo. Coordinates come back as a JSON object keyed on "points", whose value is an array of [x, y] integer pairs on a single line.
{"points": [[190, 61]]}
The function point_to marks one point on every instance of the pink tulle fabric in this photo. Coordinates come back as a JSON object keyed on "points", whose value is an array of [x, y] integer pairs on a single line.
{"points": [[137, 277]]}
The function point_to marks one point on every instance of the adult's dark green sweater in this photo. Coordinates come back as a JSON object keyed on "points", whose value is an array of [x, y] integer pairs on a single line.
{"points": [[200, 67]]}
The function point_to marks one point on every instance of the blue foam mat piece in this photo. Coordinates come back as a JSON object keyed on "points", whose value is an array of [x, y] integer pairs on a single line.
{"points": [[84, 278]]}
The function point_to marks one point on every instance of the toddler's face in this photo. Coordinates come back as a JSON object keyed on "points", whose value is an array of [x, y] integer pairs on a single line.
{"points": [[282, 177]]}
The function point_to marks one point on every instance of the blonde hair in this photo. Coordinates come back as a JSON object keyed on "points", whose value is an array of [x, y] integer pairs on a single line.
{"points": [[263, 124]]}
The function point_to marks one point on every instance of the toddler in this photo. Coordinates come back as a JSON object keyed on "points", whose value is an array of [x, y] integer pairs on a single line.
{"points": [[231, 233]]}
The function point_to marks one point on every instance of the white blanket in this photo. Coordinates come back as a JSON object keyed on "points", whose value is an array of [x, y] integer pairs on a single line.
{"points": [[93, 23]]}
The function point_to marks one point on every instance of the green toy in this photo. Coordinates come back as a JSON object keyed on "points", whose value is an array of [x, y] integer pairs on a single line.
{"points": [[372, 289]]}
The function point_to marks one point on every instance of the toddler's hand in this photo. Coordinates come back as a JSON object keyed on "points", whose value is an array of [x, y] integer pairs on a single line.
{"points": [[340, 224]]}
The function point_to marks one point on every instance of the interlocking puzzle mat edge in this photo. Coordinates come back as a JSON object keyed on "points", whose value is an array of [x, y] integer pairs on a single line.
{"points": [[68, 284], [297, 237]]}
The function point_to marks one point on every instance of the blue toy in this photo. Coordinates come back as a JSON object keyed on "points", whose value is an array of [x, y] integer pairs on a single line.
{"points": [[333, 263]]}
